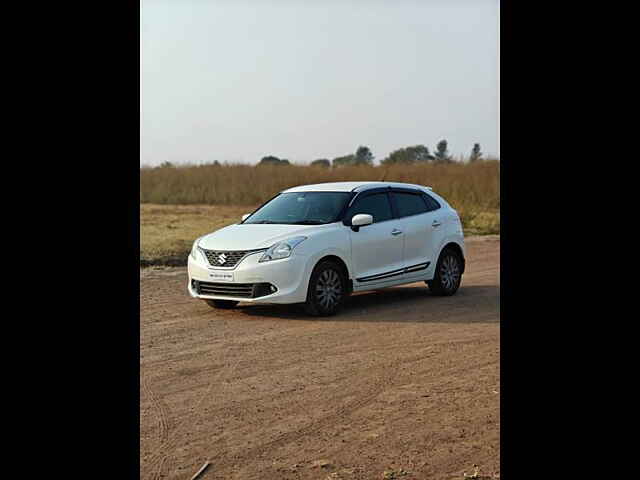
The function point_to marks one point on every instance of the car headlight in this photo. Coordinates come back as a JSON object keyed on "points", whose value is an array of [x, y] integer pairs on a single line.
{"points": [[194, 249], [281, 249]]}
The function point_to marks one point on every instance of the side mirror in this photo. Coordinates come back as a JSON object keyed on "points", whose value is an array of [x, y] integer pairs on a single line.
{"points": [[361, 220], [244, 217]]}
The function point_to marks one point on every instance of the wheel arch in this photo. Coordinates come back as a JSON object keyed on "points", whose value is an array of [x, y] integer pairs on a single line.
{"points": [[341, 263], [456, 248]]}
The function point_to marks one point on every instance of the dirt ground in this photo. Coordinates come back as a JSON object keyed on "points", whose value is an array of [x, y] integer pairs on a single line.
{"points": [[400, 385]]}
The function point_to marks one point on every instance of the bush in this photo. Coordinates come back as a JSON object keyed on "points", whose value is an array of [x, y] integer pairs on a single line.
{"points": [[321, 162]]}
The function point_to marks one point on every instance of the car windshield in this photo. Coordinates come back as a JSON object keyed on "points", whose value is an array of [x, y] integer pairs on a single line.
{"points": [[302, 208]]}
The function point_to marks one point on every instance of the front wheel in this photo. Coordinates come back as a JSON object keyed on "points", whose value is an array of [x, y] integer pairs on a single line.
{"points": [[327, 289], [222, 303], [448, 274]]}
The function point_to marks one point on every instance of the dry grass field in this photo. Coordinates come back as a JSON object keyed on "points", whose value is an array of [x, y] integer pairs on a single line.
{"points": [[464, 185], [168, 231], [180, 204]]}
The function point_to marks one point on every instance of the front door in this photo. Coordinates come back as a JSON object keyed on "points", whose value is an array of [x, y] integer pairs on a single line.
{"points": [[376, 249]]}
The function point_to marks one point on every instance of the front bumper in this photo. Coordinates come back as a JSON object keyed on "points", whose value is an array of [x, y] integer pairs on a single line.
{"points": [[290, 277]]}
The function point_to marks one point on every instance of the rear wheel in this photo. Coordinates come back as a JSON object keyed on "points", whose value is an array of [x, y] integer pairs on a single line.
{"points": [[327, 289], [222, 303], [448, 274]]}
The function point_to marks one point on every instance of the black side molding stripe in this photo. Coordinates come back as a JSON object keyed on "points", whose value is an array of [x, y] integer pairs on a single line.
{"points": [[380, 277], [400, 271], [417, 268], [393, 273]]}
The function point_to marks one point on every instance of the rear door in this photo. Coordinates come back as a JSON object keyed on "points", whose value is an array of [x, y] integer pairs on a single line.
{"points": [[376, 249], [419, 223]]}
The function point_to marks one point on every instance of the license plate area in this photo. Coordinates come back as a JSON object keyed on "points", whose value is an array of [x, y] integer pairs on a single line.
{"points": [[221, 276]]}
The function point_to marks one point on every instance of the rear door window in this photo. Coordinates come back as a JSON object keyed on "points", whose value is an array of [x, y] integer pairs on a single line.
{"points": [[409, 204]]}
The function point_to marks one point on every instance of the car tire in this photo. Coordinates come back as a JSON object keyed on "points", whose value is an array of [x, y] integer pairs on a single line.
{"points": [[222, 303], [327, 290], [448, 274]]}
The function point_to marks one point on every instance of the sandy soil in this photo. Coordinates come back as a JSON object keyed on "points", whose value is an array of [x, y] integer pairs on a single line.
{"points": [[401, 384]]}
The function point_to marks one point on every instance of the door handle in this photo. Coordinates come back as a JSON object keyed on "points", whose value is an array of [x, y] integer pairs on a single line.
{"points": [[395, 231], [436, 223]]}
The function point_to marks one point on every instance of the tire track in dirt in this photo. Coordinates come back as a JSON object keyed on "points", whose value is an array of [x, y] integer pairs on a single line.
{"points": [[390, 380], [164, 437], [308, 429], [160, 412], [290, 395], [162, 453]]}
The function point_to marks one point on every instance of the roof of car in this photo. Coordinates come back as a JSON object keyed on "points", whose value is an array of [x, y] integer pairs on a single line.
{"points": [[350, 186]]}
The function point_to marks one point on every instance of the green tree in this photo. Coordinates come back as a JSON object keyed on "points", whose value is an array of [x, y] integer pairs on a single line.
{"points": [[363, 156], [476, 154], [166, 165], [420, 154], [321, 162], [408, 156], [442, 154], [271, 160], [344, 160]]}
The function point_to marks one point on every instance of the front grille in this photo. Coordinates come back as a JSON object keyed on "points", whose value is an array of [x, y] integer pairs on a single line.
{"points": [[224, 258], [244, 290]]}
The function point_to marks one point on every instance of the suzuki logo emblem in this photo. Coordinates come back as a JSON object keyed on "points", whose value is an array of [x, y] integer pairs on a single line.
{"points": [[222, 258]]}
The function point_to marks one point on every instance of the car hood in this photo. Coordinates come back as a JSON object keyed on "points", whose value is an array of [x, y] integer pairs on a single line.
{"points": [[253, 236]]}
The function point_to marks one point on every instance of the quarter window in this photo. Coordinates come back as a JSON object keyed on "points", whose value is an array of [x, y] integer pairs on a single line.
{"points": [[376, 205], [409, 204], [431, 202]]}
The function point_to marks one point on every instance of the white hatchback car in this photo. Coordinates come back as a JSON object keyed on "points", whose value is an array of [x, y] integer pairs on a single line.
{"points": [[315, 244]]}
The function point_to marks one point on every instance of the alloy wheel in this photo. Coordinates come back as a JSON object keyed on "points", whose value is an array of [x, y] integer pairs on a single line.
{"points": [[329, 289], [450, 272]]}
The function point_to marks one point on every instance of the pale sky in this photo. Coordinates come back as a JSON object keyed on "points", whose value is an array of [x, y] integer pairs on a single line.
{"points": [[238, 80]]}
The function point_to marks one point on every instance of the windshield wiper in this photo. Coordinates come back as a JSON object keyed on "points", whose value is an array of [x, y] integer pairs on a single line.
{"points": [[302, 222]]}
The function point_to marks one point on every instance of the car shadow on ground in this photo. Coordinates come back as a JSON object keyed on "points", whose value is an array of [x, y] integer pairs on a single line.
{"points": [[481, 302]]}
